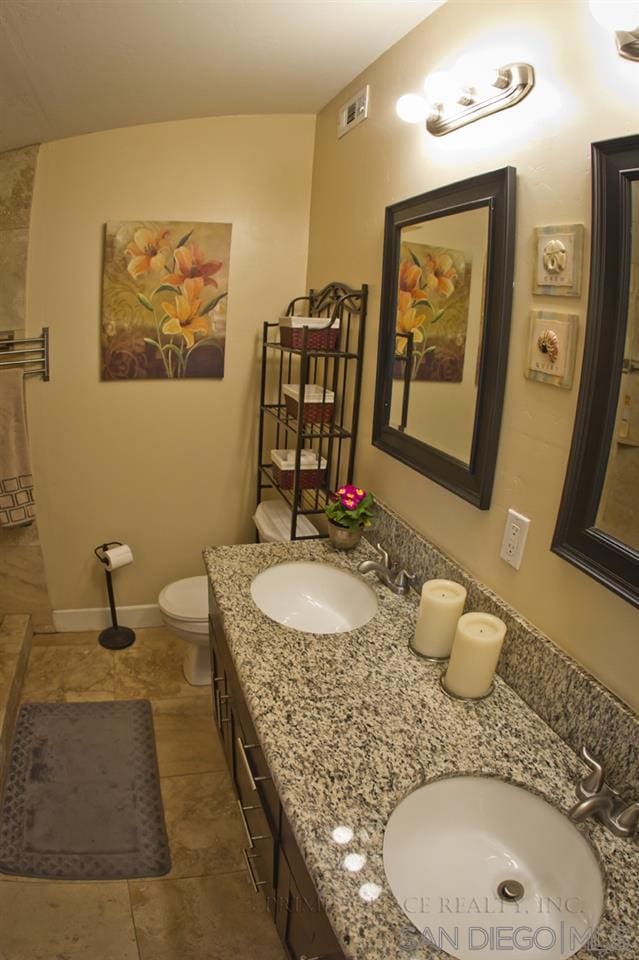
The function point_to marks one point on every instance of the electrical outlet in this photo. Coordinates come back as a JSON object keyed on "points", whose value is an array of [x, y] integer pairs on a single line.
{"points": [[515, 533]]}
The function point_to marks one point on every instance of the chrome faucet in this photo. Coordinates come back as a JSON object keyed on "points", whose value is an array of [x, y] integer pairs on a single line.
{"points": [[597, 799], [397, 581]]}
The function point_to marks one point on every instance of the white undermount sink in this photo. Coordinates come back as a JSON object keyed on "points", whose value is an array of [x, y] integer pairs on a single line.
{"points": [[314, 597], [467, 857]]}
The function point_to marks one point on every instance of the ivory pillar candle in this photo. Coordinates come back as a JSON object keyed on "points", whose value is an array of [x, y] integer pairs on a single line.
{"points": [[476, 648], [441, 605]]}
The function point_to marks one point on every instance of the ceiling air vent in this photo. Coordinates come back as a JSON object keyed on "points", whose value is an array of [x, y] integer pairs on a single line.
{"points": [[353, 112]]}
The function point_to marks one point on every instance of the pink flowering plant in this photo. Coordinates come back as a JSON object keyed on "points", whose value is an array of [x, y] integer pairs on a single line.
{"points": [[351, 507]]}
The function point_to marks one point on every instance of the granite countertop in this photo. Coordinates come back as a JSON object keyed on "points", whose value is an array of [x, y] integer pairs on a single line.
{"points": [[351, 723]]}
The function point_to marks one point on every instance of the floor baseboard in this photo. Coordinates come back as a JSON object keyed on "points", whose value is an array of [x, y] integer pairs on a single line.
{"points": [[97, 618]]}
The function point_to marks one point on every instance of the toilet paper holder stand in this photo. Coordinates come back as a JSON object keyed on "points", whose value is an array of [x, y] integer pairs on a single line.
{"points": [[114, 637]]}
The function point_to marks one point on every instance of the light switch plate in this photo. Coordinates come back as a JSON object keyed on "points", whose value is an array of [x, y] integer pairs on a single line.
{"points": [[551, 347]]}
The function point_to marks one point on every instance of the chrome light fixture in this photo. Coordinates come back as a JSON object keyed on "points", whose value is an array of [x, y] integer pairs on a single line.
{"points": [[506, 87], [449, 104], [613, 14]]}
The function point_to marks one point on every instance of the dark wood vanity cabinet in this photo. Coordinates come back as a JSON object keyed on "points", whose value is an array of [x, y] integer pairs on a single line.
{"points": [[273, 861]]}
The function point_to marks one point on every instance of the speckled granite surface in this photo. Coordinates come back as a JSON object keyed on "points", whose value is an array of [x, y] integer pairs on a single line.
{"points": [[564, 694], [352, 723]]}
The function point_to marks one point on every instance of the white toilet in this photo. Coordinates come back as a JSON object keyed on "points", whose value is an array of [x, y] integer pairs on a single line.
{"points": [[184, 609]]}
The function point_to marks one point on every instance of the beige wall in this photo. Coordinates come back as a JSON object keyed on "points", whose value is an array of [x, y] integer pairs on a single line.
{"points": [[584, 92], [167, 467]]}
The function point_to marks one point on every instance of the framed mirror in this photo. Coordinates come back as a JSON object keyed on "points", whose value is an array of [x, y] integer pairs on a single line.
{"points": [[444, 327], [598, 524]]}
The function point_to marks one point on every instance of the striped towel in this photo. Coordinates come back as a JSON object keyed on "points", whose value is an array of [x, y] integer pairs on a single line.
{"points": [[17, 506]]}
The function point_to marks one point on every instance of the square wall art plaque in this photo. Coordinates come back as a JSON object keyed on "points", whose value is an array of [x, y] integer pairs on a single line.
{"points": [[164, 296]]}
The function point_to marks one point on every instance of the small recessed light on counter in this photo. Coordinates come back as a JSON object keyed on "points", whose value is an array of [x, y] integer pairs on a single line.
{"points": [[478, 642], [369, 892], [342, 835], [354, 862]]}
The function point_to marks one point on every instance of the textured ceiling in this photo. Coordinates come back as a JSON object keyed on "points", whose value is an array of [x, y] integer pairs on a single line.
{"points": [[75, 66]]}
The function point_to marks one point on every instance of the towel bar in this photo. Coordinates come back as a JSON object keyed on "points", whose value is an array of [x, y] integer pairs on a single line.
{"points": [[40, 349]]}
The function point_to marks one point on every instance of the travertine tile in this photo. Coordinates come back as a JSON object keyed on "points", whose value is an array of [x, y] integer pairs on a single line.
{"points": [[203, 824], [15, 645], [209, 918], [69, 673], [23, 582], [17, 173], [13, 273], [152, 668], [65, 921], [185, 736]]}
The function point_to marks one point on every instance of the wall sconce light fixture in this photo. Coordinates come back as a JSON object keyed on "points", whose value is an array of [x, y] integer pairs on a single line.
{"points": [[617, 14], [449, 103]]}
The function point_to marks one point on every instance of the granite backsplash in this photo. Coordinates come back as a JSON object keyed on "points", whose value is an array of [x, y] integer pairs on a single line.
{"points": [[571, 701]]}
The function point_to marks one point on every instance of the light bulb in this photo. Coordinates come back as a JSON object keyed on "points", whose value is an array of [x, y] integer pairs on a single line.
{"points": [[615, 14], [438, 87], [412, 108]]}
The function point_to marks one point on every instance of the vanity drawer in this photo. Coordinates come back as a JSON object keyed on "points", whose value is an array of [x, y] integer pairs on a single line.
{"points": [[302, 924], [261, 838], [249, 755]]}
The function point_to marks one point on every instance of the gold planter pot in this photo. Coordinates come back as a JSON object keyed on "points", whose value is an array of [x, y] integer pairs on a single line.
{"points": [[343, 538]]}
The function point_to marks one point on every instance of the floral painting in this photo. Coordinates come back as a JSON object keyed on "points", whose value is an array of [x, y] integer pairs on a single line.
{"points": [[432, 303], [164, 297]]}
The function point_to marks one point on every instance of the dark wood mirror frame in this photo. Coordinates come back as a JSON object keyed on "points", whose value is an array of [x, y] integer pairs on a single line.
{"points": [[615, 164], [496, 191]]}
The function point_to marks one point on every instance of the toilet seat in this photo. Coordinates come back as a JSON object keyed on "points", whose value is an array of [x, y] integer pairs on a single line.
{"points": [[186, 602]]}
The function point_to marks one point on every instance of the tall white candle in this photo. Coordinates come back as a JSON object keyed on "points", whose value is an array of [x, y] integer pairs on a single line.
{"points": [[440, 607], [476, 648]]}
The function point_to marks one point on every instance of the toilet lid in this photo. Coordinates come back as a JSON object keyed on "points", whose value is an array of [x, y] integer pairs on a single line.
{"points": [[185, 599]]}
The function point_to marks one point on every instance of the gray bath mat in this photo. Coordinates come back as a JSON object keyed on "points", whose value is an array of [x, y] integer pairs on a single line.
{"points": [[82, 796]]}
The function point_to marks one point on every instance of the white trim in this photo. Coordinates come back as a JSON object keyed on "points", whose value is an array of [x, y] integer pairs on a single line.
{"points": [[97, 618]]}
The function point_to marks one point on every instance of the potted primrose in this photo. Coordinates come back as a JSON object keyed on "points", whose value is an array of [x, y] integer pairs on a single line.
{"points": [[349, 511]]}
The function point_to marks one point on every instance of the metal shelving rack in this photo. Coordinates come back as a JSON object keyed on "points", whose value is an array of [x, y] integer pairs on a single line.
{"points": [[338, 370]]}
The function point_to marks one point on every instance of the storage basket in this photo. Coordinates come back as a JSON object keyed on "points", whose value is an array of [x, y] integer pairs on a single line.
{"points": [[318, 404], [312, 469], [320, 336]]}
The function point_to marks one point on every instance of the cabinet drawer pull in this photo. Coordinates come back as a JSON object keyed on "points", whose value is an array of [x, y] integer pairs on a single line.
{"points": [[304, 957], [256, 884], [243, 747], [218, 708], [249, 836]]}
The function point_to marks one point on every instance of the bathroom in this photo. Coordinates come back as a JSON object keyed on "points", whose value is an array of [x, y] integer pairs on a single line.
{"points": [[171, 476]]}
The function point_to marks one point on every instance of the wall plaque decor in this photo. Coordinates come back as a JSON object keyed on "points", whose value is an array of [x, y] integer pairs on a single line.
{"points": [[558, 260], [551, 348], [164, 294]]}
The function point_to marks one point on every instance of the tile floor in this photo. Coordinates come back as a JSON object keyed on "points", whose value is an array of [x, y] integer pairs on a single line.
{"points": [[204, 908]]}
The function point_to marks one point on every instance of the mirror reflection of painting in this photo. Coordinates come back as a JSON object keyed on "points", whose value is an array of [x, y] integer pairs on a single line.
{"points": [[440, 305], [432, 308]]}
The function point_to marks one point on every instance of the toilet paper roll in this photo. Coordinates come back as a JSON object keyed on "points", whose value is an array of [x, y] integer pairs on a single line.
{"points": [[118, 557]]}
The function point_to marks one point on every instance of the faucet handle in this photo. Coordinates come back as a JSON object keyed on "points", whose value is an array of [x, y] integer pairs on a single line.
{"points": [[384, 555], [405, 579], [594, 781], [627, 819]]}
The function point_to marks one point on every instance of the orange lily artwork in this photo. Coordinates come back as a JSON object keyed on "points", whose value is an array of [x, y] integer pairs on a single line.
{"points": [[164, 300], [433, 298]]}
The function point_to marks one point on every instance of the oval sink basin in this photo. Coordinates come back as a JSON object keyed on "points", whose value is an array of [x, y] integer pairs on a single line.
{"points": [[485, 869], [314, 597]]}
